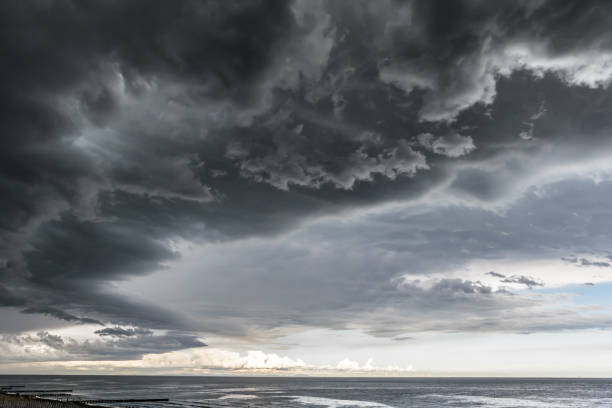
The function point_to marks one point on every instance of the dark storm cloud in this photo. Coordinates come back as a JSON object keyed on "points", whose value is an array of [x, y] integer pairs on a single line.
{"points": [[195, 42], [9, 299], [60, 58], [131, 126], [455, 50], [85, 250], [66, 348], [68, 69], [397, 63], [59, 314], [60, 49]]}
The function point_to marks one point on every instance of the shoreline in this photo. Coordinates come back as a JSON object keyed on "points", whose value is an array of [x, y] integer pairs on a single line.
{"points": [[30, 401]]}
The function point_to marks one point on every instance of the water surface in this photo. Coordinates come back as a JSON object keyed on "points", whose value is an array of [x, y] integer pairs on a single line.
{"points": [[200, 392]]}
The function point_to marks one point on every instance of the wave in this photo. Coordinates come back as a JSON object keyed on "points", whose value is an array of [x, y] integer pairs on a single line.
{"points": [[505, 402], [334, 403], [238, 396]]}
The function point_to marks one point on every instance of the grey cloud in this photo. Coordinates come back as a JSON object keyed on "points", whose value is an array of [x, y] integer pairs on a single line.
{"points": [[121, 332], [43, 337], [452, 145], [374, 269], [66, 348], [528, 126], [585, 262], [85, 250], [520, 279], [70, 261], [460, 286], [60, 314], [286, 166], [10, 299], [523, 280], [51, 340]]}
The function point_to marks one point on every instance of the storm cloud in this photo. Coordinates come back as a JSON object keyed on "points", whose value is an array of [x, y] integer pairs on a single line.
{"points": [[171, 170]]}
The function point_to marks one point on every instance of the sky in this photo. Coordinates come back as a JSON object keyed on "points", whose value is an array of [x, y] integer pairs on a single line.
{"points": [[307, 187]]}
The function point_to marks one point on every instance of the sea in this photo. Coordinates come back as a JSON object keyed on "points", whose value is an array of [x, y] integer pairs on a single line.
{"points": [[202, 392]]}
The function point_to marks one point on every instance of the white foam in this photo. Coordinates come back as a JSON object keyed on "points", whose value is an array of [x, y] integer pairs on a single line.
{"points": [[239, 389], [238, 396], [493, 402], [504, 402], [334, 403]]}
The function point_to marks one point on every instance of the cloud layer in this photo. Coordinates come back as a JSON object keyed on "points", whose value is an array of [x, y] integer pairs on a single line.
{"points": [[172, 170]]}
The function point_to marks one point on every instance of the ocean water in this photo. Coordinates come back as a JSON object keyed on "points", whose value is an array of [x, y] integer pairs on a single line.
{"points": [[201, 392]]}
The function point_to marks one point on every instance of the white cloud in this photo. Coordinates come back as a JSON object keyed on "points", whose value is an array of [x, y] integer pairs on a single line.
{"points": [[256, 360], [206, 359], [214, 358], [349, 365]]}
